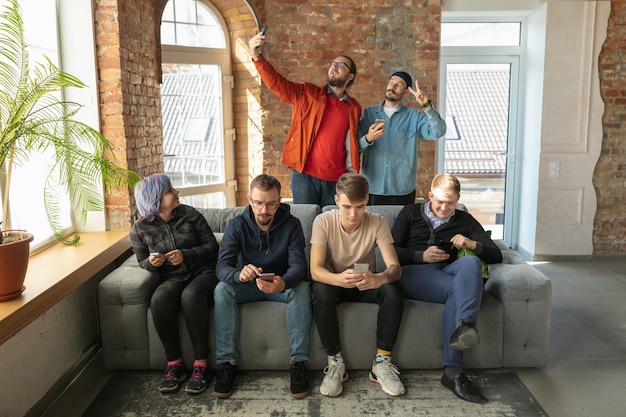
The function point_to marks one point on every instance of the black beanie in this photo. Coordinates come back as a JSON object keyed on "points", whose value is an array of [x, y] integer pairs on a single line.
{"points": [[406, 77]]}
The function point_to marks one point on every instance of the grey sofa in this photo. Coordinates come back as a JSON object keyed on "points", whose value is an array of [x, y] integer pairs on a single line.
{"points": [[513, 322]]}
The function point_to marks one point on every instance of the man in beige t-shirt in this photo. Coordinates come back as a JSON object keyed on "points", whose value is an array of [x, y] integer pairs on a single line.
{"points": [[342, 238]]}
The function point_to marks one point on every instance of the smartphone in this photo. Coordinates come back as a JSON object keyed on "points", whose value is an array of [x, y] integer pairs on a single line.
{"points": [[445, 245], [156, 254], [360, 268], [378, 121], [267, 276], [263, 29]]}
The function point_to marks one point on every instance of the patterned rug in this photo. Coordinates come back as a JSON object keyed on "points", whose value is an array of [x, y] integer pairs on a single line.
{"points": [[135, 394]]}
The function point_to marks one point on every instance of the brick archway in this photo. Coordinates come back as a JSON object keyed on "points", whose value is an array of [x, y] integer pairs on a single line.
{"points": [[128, 58]]}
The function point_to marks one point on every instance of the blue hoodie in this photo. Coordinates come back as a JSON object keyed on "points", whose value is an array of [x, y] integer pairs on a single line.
{"points": [[279, 250]]}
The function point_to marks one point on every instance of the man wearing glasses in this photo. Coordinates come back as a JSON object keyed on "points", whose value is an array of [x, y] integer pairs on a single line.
{"points": [[261, 257], [321, 143]]}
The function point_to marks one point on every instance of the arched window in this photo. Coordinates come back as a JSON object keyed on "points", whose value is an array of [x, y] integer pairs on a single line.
{"points": [[196, 100]]}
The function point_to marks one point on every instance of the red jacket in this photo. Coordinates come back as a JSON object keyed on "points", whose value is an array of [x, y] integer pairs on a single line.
{"points": [[308, 102]]}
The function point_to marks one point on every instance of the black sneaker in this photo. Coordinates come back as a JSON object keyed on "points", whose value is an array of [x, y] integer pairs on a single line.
{"points": [[225, 380], [199, 379], [174, 375], [465, 336], [299, 383]]}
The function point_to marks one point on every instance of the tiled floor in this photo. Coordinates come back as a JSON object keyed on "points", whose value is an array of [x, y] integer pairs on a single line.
{"points": [[586, 371]]}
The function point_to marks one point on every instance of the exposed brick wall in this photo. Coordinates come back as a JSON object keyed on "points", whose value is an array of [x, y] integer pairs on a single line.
{"points": [[303, 38], [129, 94], [381, 37], [610, 173]]}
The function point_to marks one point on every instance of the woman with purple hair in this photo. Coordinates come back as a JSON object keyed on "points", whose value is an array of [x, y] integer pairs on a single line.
{"points": [[176, 241]]}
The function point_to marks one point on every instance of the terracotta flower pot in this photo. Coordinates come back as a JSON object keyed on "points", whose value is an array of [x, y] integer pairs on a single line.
{"points": [[13, 263]]}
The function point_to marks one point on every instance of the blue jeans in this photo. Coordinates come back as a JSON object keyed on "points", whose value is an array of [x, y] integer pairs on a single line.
{"points": [[306, 189], [298, 318], [458, 286]]}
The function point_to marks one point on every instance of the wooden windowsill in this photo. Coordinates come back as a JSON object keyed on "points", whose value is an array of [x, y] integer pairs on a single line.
{"points": [[56, 272]]}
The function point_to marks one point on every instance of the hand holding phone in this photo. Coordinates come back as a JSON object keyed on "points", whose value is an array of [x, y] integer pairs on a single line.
{"points": [[445, 245], [267, 276], [263, 29]]}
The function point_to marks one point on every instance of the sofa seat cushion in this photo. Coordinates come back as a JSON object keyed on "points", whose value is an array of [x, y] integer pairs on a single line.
{"points": [[264, 343]]}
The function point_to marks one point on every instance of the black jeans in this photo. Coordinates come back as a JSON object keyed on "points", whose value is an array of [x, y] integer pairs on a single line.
{"points": [[325, 298], [193, 297]]}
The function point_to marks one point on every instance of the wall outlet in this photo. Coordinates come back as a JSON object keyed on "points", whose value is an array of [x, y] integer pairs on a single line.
{"points": [[555, 169]]}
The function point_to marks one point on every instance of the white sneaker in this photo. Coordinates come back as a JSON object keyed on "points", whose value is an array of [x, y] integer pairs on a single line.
{"points": [[387, 376], [334, 376]]}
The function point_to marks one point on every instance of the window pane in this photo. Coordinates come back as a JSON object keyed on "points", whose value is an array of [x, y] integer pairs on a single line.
{"points": [[168, 33], [209, 200], [481, 34], [477, 156], [184, 11], [26, 206], [168, 12], [192, 124], [187, 35], [193, 25]]}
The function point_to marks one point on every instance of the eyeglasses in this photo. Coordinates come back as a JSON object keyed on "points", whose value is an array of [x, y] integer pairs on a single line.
{"points": [[339, 65], [271, 205]]}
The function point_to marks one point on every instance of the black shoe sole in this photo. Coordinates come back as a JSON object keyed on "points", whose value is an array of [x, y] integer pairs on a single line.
{"points": [[299, 395], [196, 391], [466, 341], [223, 395], [175, 388], [169, 390]]}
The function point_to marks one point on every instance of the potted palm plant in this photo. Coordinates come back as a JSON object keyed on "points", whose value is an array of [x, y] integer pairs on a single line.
{"points": [[34, 118]]}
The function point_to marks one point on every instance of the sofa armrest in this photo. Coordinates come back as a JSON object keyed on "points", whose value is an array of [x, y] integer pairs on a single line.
{"points": [[526, 294], [124, 298]]}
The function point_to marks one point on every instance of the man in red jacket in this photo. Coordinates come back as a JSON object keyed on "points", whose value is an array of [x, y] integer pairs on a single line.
{"points": [[322, 143]]}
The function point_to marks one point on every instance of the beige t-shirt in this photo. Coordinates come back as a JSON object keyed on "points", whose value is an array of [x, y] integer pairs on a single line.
{"points": [[344, 249]]}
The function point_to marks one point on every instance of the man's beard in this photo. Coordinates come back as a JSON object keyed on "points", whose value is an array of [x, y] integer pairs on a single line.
{"points": [[264, 221], [337, 82], [392, 98]]}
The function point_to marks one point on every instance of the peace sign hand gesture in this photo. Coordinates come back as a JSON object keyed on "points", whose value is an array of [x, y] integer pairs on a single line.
{"points": [[419, 95]]}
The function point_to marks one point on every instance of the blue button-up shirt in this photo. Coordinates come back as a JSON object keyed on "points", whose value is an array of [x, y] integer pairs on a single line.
{"points": [[390, 162]]}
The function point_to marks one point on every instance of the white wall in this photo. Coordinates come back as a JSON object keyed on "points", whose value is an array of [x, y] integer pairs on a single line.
{"points": [[562, 120], [531, 144], [571, 132], [51, 347]]}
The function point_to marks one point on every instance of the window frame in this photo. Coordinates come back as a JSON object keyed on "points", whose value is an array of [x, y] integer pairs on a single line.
{"points": [[174, 54], [516, 57]]}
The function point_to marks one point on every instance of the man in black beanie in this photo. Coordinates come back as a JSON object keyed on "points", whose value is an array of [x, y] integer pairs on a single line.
{"points": [[388, 134]]}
